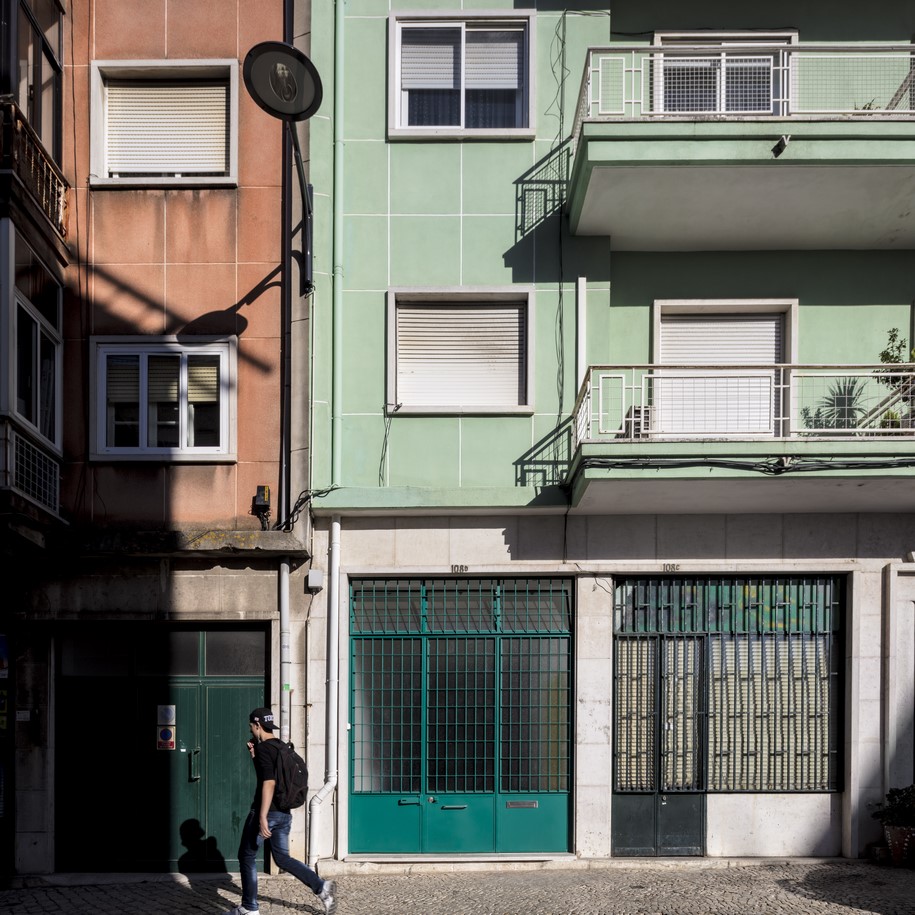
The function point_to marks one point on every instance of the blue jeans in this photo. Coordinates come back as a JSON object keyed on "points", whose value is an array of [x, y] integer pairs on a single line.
{"points": [[251, 840]]}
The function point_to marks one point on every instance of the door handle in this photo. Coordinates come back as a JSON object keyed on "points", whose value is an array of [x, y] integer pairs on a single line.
{"points": [[454, 807], [193, 762]]}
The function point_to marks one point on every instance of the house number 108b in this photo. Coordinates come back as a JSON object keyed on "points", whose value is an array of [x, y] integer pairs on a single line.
{"points": [[458, 570]]}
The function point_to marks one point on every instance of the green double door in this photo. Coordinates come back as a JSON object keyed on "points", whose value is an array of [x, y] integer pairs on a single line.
{"points": [[172, 762], [460, 738]]}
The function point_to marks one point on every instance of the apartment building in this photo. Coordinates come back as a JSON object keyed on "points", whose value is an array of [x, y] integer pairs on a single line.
{"points": [[611, 403], [152, 415]]}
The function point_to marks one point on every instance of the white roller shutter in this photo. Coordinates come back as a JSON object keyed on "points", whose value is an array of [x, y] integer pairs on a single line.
{"points": [[727, 401], [167, 128], [430, 58], [461, 355], [494, 59]]}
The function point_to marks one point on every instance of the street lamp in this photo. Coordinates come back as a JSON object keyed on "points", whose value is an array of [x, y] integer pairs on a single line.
{"points": [[285, 83]]}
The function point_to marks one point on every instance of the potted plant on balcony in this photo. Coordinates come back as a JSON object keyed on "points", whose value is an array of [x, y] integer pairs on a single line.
{"points": [[898, 412], [897, 814]]}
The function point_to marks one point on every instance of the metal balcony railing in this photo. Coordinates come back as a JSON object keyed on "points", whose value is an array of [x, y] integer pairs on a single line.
{"points": [[732, 402], [749, 80], [22, 153], [28, 469]]}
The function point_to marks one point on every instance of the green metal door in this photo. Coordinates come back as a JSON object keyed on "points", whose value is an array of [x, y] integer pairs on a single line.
{"points": [[178, 702], [460, 716]]}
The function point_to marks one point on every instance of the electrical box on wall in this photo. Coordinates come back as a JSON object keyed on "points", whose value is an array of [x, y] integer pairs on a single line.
{"points": [[315, 580]]}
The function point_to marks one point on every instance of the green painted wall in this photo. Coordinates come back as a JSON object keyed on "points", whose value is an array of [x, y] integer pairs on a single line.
{"points": [[451, 213]]}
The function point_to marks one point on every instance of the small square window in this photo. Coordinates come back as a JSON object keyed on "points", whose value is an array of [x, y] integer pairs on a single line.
{"points": [[466, 352], [461, 77], [164, 123], [164, 400]]}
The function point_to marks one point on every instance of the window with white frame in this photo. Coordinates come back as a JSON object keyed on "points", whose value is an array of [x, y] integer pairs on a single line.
{"points": [[466, 352], [457, 76], [164, 123], [38, 343], [164, 399], [718, 363], [714, 73]]}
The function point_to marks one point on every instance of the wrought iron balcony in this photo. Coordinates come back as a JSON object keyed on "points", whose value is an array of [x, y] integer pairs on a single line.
{"points": [[22, 154], [748, 81], [621, 404]]}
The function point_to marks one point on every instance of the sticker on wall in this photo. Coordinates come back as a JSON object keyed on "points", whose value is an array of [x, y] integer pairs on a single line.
{"points": [[165, 739], [166, 714]]}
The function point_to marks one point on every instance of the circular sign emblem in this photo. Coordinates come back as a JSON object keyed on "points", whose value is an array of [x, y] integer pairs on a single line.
{"points": [[282, 80]]}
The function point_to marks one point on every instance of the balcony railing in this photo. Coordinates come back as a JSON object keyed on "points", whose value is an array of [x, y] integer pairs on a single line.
{"points": [[750, 80], [28, 470], [731, 402], [22, 153]]}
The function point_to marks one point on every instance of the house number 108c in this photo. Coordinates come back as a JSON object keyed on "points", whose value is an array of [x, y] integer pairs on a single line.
{"points": [[671, 566]]}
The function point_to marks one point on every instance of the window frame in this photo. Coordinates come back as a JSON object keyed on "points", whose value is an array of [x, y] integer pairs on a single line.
{"points": [[47, 55], [522, 19], [140, 71], [14, 300], [523, 296], [227, 350]]}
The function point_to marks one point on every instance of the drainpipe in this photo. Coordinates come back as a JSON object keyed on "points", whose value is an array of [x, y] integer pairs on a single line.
{"points": [[333, 690], [333, 583], [285, 652]]}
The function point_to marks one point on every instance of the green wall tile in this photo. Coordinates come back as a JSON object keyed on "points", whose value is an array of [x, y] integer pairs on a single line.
{"points": [[492, 447], [365, 255], [487, 241], [491, 173], [365, 188], [363, 352], [365, 110], [424, 451], [425, 251], [425, 177]]}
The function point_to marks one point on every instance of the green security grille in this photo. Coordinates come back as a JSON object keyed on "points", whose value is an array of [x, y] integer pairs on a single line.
{"points": [[727, 684], [461, 688]]}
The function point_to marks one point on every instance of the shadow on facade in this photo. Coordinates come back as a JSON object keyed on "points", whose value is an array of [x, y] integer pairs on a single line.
{"points": [[546, 464]]}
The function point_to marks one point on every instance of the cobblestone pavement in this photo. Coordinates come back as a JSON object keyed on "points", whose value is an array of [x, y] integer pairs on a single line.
{"points": [[727, 888]]}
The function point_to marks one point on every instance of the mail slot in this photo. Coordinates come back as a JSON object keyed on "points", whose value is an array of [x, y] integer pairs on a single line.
{"points": [[526, 805]]}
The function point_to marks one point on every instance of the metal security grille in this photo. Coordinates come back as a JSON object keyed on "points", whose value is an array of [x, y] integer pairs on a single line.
{"points": [[727, 684], [460, 686]]}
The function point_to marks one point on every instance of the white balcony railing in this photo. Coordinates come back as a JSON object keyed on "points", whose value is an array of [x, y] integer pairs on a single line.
{"points": [[781, 81], [28, 470], [725, 402]]}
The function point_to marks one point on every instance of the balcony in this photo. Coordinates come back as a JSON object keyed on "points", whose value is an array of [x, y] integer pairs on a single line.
{"points": [[24, 160], [755, 147], [29, 472], [723, 438]]}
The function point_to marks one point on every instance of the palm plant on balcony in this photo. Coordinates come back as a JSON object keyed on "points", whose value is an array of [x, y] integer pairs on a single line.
{"points": [[841, 408], [897, 814]]}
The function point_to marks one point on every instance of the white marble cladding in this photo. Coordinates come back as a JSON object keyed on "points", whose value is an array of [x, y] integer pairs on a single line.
{"points": [[870, 549]]}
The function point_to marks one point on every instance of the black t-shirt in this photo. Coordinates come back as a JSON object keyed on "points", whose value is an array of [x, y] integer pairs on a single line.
{"points": [[266, 760]]}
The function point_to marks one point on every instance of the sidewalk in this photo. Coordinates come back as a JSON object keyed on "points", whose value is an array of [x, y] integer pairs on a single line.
{"points": [[655, 887]]}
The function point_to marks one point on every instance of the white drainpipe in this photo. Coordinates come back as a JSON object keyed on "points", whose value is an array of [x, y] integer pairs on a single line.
{"points": [[333, 690], [285, 653]]}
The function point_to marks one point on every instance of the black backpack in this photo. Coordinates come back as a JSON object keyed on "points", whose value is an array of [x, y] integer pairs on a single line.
{"points": [[291, 778]]}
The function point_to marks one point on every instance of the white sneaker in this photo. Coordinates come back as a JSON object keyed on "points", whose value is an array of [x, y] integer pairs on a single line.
{"points": [[328, 897], [241, 910]]}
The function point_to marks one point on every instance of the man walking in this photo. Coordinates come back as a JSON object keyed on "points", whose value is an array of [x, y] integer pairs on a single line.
{"points": [[267, 821]]}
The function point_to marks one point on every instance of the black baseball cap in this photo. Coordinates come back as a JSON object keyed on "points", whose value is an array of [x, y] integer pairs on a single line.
{"points": [[263, 717]]}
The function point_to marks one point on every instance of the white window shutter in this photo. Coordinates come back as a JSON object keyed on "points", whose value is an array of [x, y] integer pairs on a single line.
{"points": [[494, 59], [430, 58], [461, 355], [720, 402], [203, 379], [721, 339], [167, 128]]}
